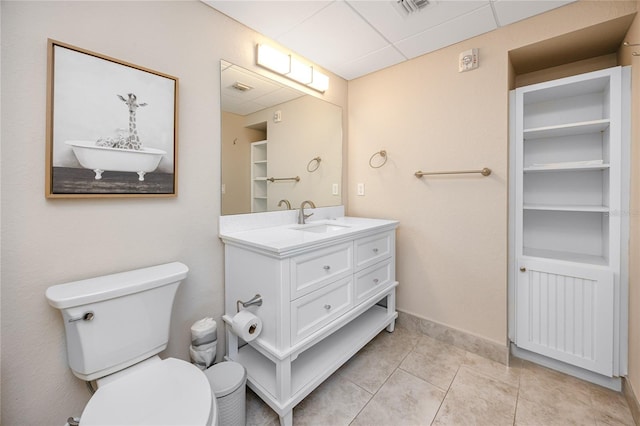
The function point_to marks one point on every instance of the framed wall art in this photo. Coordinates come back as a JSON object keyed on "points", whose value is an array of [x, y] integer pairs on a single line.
{"points": [[112, 127]]}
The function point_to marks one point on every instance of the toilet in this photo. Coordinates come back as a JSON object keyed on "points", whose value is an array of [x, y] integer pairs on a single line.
{"points": [[115, 326]]}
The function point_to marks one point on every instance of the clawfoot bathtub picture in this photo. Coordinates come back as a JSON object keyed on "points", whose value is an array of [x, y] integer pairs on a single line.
{"points": [[111, 127]]}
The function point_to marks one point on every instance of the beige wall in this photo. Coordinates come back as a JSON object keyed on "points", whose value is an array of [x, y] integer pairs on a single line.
{"points": [[634, 254], [236, 157], [309, 129], [45, 242], [452, 239]]}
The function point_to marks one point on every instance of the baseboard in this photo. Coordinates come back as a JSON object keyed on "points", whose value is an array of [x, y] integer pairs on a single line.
{"points": [[613, 383], [632, 400], [455, 337]]}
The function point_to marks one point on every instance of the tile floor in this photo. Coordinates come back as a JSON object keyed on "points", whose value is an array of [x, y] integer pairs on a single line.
{"points": [[406, 378]]}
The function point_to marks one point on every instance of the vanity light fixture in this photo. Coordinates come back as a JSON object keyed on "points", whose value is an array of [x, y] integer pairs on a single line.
{"points": [[290, 67]]}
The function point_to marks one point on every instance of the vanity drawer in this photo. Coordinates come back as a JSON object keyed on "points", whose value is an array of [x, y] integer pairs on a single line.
{"points": [[311, 312], [312, 271], [371, 280], [370, 250]]}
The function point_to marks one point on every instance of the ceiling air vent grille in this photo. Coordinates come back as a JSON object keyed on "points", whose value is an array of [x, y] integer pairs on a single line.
{"points": [[409, 7], [241, 86]]}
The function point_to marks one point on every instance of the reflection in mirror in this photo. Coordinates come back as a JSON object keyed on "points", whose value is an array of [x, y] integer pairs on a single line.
{"points": [[277, 144]]}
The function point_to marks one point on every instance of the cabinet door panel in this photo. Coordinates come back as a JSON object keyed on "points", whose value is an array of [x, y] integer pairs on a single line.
{"points": [[314, 270], [373, 279], [566, 313], [370, 250], [311, 312]]}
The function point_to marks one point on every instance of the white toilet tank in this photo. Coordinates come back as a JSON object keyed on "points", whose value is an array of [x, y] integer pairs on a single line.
{"points": [[114, 321]]}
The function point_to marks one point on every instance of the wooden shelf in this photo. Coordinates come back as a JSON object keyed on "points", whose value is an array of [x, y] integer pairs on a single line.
{"points": [[569, 129], [319, 361], [566, 208], [567, 168], [566, 256]]}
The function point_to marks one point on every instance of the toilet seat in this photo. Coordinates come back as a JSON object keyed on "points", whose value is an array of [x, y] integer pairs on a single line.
{"points": [[168, 392]]}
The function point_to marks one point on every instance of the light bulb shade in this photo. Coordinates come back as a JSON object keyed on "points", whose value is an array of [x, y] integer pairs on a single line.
{"points": [[300, 72], [284, 64], [273, 59], [319, 82]]}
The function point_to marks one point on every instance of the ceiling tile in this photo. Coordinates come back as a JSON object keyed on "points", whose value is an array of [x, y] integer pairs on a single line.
{"points": [[282, 95], [395, 25], [333, 36], [375, 61], [352, 38], [510, 11], [260, 86], [466, 26], [271, 18], [264, 91]]}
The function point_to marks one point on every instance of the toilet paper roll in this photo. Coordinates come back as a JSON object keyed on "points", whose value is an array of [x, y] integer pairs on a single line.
{"points": [[246, 325], [204, 331]]}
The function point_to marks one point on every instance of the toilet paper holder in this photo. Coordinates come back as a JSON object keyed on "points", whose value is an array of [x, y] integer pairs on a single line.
{"points": [[255, 300]]}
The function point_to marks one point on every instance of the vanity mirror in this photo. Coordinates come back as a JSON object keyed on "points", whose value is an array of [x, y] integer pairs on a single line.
{"points": [[278, 143]]}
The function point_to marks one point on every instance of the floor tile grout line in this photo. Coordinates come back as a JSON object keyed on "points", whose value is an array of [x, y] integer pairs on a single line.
{"points": [[396, 368], [445, 394], [515, 411]]}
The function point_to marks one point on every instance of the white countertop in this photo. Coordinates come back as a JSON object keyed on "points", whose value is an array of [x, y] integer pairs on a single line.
{"points": [[291, 237]]}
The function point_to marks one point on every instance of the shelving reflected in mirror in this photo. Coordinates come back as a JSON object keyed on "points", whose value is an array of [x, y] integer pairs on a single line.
{"points": [[270, 133]]}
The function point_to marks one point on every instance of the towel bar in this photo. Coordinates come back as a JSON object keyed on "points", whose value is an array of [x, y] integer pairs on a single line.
{"points": [[484, 172]]}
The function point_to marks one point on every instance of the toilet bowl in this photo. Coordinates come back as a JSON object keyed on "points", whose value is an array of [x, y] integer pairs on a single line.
{"points": [[115, 326]]}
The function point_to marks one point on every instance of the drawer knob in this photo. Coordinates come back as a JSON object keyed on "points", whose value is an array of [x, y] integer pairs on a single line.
{"points": [[375, 250], [326, 267], [375, 280], [327, 307], [523, 269]]}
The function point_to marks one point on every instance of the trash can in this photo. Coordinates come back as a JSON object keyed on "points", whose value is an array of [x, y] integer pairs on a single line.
{"points": [[227, 380]]}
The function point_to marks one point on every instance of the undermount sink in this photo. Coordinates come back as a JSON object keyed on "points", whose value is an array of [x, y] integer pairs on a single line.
{"points": [[321, 228]]}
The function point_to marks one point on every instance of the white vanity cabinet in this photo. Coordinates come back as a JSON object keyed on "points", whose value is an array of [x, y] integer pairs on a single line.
{"points": [[323, 299]]}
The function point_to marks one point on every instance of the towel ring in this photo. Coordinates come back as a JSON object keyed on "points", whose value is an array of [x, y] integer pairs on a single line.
{"points": [[310, 164], [382, 154]]}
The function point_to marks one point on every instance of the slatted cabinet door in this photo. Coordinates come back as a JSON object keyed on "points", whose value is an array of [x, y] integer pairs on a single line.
{"points": [[566, 312]]}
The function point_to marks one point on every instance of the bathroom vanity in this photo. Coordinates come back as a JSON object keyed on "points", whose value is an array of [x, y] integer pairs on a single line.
{"points": [[327, 288]]}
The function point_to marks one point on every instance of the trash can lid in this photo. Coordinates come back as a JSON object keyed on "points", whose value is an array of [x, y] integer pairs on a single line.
{"points": [[225, 377]]}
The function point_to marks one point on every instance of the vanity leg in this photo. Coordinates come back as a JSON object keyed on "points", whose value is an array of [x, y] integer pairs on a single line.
{"points": [[391, 326], [391, 309], [287, 419], [283, 379]]}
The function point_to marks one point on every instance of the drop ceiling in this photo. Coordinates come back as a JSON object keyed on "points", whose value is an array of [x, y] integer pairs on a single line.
{"points": [[255, 93], [352, 38]]}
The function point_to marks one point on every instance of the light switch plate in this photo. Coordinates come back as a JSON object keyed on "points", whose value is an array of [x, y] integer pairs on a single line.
{"points": [[360, 189]]}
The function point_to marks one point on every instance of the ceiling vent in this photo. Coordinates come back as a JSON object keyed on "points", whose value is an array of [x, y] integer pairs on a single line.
{"points": [[409, 7], [241, 86]]}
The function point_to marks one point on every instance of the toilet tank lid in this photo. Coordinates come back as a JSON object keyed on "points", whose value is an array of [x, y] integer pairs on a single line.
{"points": [[91, 290]]}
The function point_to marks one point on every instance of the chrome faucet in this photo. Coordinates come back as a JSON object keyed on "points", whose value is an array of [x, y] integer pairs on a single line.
{"points": [[301, 216], [286, 202]]}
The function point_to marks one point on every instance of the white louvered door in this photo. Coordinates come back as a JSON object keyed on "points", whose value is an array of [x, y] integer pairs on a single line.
{"points": [[566, 313]]}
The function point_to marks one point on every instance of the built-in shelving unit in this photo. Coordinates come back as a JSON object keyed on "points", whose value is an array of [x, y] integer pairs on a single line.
{"points": [[568, 136], [259, 164]]}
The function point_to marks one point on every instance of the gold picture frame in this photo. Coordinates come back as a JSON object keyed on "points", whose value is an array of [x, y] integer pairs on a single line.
{"points": [[112, 127]]}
